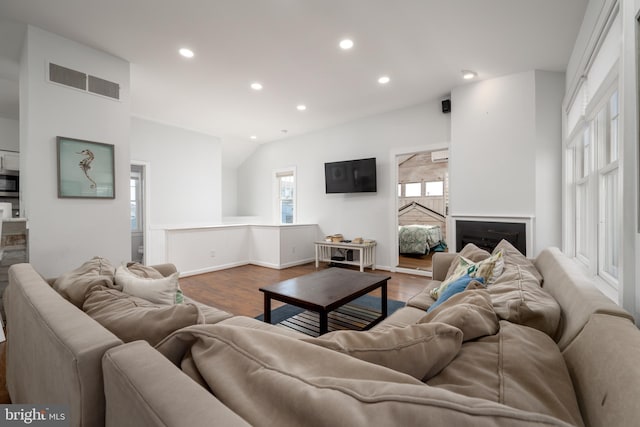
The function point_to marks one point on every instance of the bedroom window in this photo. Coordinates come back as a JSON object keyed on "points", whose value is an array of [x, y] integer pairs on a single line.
{"points": [[286, 196], [413, 189], [434, 188]]}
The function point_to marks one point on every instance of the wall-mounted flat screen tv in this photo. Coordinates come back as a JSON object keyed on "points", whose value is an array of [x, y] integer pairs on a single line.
{"points": [[351, 176]]}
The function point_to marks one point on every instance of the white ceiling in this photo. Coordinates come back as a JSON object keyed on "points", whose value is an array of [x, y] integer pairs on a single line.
{"points": [[291, 47]]}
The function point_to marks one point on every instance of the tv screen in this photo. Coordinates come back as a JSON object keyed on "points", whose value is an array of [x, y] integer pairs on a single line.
{"points": [[352, 176]]}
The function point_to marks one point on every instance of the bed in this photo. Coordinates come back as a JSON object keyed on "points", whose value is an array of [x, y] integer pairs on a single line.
{"points": [[417, 239]]}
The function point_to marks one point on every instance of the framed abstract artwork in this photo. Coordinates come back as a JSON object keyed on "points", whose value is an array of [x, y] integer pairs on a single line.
{"points": [[86, 169]]}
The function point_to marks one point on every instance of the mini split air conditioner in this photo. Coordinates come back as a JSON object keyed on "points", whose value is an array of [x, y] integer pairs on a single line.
{"points": [[440, 156]]}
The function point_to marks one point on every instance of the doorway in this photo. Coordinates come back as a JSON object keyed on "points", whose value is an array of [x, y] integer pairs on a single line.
{"points": [[423, 207], [138, 211]]}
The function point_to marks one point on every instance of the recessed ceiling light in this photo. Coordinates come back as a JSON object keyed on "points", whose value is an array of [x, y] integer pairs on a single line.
{"points": [[468, 74], [256, 86], [383, 80], [253, 137], [301, 107], [187, 53], [346, 44]]}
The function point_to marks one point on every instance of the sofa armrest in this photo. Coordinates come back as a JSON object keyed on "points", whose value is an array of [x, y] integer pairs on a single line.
{"points": [[54, 351], [165, 269], [602, 362], [143, 388], [441, 263]]}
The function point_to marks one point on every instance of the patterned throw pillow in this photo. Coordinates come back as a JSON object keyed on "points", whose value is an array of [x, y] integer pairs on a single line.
{"points": [[488, 269]]}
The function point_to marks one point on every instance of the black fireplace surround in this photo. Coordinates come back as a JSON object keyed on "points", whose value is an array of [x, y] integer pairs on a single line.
{"points": [[486, 234]]}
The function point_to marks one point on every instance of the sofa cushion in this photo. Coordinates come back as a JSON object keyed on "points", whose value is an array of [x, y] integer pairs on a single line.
{"points": [[455, 287], [165, 290], [145, 271], [520, 367], [423, 299], [518, 298], [131, 318], [470, 311], [420, 350], [513, 257], [74, 284], [291, 383], [400, 318]]}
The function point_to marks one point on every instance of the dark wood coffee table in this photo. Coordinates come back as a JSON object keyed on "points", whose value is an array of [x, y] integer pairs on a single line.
{"points": [[325, 291]]}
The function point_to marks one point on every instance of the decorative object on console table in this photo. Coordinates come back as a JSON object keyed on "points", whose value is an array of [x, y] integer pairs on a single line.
{"points": [[366, 251], [85, 169]]}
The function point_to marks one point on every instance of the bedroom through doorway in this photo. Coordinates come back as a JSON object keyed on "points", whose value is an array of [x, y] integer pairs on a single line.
{"points": [[423, 207]]}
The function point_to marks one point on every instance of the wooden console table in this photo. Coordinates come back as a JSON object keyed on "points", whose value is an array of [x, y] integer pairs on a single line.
{"points": [[367, 253]]}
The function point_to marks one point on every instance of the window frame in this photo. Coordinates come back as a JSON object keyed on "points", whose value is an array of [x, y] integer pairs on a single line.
{"points": [[278, 174], [591, 252]]}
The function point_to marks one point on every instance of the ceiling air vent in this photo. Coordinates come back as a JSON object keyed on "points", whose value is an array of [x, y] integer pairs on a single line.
{"points": [[104, 87], [67, 76], [82, 81]]}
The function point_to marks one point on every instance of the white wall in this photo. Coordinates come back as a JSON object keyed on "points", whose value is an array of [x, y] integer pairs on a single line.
{"points": [[229, 191], [549, 92], [185, 176], [492, 144], [366, 215], [63, 233], [506, 149], [9, 134], [184, 180]]}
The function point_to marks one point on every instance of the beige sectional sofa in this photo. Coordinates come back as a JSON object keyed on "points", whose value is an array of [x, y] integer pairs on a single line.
{"points": [[517, 354]]}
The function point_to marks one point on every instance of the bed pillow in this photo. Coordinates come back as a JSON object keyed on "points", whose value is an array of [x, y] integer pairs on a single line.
{"points": [[74, 284], [420, 350], [160, 291]]}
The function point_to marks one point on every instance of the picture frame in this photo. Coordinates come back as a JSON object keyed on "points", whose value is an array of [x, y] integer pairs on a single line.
{"points": [[86, 169]]}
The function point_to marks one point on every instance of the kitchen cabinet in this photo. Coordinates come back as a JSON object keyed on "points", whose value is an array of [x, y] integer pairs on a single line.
{"points": [[9, 161]]}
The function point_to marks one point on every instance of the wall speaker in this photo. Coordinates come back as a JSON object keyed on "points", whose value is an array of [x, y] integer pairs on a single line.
{"points": [[446, 105]]}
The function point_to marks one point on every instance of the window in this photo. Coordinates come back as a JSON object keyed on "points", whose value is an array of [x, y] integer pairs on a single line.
{"points": [[595, 189], [286, 196], [434, 188], [609, 236], [135, 185], [413, 189]]}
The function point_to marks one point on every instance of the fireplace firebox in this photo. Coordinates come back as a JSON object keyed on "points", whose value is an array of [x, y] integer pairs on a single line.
{"points": [[487, 234]]}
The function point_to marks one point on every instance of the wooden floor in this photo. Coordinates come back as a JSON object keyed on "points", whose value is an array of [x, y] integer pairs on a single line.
{"points": [[418, 262], [236, 290]]}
